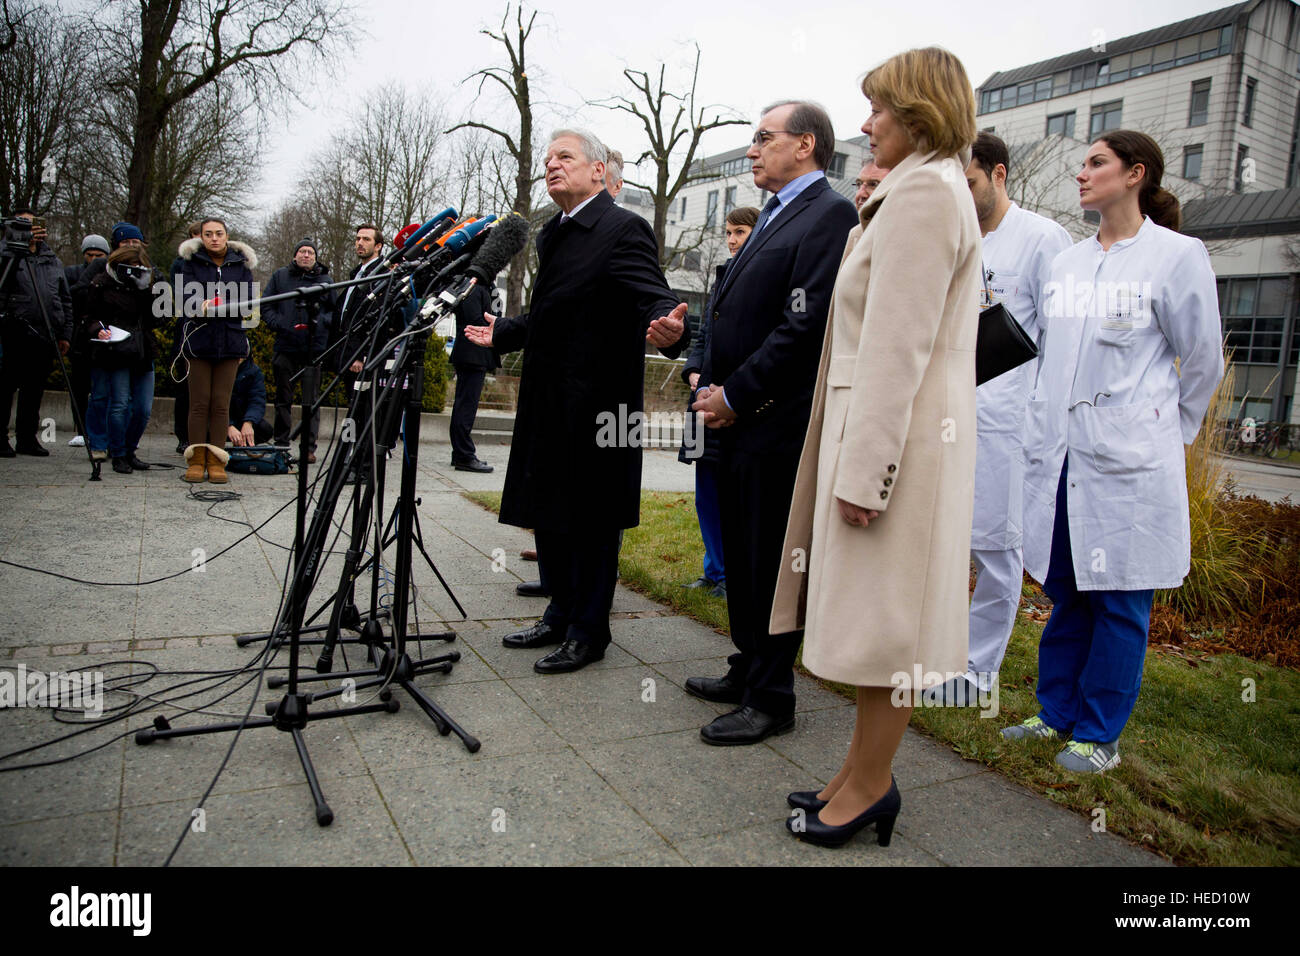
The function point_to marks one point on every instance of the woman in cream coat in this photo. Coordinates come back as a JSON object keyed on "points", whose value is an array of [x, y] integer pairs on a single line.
{"points": [[881, 514]]}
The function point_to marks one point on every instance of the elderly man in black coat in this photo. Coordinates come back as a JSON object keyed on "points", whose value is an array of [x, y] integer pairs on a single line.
{"points": [[575, 460]]}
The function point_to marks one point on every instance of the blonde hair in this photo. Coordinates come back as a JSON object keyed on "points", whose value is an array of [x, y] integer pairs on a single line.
{"points": [[928, 91]]}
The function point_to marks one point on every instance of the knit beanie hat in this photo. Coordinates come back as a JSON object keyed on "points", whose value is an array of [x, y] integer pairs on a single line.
{"points": [[123, 231], [307, 241], [95, 241]]}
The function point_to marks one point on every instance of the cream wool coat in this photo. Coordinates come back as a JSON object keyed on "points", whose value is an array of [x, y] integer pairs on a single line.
{"points": [[892, 429]]}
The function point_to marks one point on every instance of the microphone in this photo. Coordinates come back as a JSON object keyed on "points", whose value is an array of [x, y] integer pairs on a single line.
{"points": [[507, 239], [412, 239]]}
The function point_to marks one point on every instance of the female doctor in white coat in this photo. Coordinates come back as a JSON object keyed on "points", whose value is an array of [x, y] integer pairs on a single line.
{"points": [[1106, 516]]}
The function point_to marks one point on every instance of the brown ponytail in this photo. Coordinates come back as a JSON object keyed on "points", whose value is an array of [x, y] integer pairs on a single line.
{"points": [[1132, 148]]}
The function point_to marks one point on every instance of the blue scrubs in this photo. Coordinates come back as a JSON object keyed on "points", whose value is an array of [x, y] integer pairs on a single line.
{"points": [[1091, 653]]}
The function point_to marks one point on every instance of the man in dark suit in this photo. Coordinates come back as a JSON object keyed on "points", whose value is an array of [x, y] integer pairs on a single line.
{"points": [[769, 317], [368, 244], [472, 363], [575, 460]]}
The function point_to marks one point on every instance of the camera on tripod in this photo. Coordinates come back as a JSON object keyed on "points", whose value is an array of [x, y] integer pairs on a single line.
{"points": [[17, 239]]}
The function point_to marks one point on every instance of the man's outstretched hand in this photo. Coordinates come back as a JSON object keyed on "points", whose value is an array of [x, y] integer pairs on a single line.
{"points": [[667, 329], [481, 334]]}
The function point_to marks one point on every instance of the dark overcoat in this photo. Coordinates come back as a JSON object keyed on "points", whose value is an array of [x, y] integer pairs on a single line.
{"points": [[598, 288]]}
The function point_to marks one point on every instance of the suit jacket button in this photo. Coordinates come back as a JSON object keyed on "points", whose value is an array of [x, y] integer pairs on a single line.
{"points": [[884, 494], [888, 482], [892, 468], [715, 316]]}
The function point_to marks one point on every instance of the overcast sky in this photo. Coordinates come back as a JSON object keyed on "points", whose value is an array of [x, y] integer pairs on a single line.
{"points": [[753, 53]]}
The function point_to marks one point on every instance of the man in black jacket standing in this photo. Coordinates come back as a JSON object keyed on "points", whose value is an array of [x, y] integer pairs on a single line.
{"points": [[768, 321], [472, 363], [293, 353], [575, 466], [37, 280]]}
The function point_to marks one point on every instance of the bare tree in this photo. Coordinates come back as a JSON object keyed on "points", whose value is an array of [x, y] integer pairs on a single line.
{"points": [[9, 39], [514, 80], [396, 146], [43, 88], [164, 52], [671, 120]]}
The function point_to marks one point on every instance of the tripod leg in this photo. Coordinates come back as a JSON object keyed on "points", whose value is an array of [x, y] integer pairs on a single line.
{"points": [[324, 815], [440, 719]]}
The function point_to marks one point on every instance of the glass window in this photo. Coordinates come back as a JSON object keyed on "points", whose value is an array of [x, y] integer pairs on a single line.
{"points": [[711, 213], [1162, 57], [1120, 62], [1225, 40], [1141, 63], [995, 100], [1061, 83], [1192, 156], [1105, 116], [1076, 79], [1239, 177], [1043, 89], [729, 203], [1062, 124], [1198, 114], [1103, 72], [838, 162], [1188, 51], [1254, 319], [1272, 296], [1248, 110], [1209, 44], [1025, 94], [682, 217]]}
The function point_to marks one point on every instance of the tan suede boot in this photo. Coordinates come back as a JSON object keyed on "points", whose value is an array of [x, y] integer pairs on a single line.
{"points": [[197, 456], [217, 458]]}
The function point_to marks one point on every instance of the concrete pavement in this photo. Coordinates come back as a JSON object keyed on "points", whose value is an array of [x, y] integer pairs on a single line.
{"points": [[600, 767]]}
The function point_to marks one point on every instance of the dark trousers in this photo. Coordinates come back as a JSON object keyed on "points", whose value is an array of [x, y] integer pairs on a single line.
{"points": [[706, 510], [1092, 650], [286, 367], [464, 409], [754, 492], [580, 567], [26, 366]]}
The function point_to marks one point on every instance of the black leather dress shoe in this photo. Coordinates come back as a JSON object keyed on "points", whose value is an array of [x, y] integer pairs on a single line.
{"points": [[805, 800], [569, 656], [35, 450], [121, 466], [531, 589], [136, 464], [475, 464], [719, 689], [882, 813], [744, 725], [701, 582], [539, 635]]}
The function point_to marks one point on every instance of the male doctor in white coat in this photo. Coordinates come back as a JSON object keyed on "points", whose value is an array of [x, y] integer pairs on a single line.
{"points": [[1019, 247]]}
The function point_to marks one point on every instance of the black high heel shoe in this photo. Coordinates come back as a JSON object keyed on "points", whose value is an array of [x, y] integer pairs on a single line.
{"points": [[805, 800], [882, 813]]}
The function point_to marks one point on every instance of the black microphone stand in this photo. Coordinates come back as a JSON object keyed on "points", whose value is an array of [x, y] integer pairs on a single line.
{"points": [[292, 714]]}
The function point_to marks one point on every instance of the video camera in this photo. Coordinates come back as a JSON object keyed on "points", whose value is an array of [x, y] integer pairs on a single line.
{"points": [[17, 238]]}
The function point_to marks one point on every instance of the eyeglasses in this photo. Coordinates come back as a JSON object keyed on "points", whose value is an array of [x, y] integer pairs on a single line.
{"points": [[765, 136]]}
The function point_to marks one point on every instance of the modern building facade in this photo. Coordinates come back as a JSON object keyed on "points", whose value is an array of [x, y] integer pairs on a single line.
{"points": [[1220, 93]]}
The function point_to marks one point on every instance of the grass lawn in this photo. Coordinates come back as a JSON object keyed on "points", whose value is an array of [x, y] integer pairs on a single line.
{"points": [[1209, 776]]}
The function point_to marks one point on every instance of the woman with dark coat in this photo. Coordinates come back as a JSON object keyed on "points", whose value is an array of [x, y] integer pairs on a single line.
{"points": [[740, 223], [121, 372], [216, 271]]}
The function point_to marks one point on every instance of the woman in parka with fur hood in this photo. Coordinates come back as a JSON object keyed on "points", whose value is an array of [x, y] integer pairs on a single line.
{"points": [[213, 344]]}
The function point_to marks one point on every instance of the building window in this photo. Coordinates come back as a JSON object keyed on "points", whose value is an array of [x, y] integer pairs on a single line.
{"points": [[729, 202], [1254, 311], [711, 211], [1025, 94], [836, 167], [1249, 109], [681, 216], [1192, 156], [1043, 89], [1105, 116], [1199, 112], [1062, 124], [1239, 177], [1162, 57], [1140, 63]]}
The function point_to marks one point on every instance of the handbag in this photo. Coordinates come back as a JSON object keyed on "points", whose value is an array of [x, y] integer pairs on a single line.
{"points": [[258, 460], [1001, 343]]}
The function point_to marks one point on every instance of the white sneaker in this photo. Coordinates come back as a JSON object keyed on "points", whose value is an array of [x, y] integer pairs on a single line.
{"points": [[77, 441]]}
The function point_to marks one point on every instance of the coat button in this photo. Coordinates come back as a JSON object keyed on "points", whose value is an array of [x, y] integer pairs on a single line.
{"points": [[888, 482], [715, 316], [884, 494], [891, 469]]}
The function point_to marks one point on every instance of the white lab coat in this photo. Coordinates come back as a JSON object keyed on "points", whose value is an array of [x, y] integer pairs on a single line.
{"points": [[1019, 254], [1108, 393]]}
